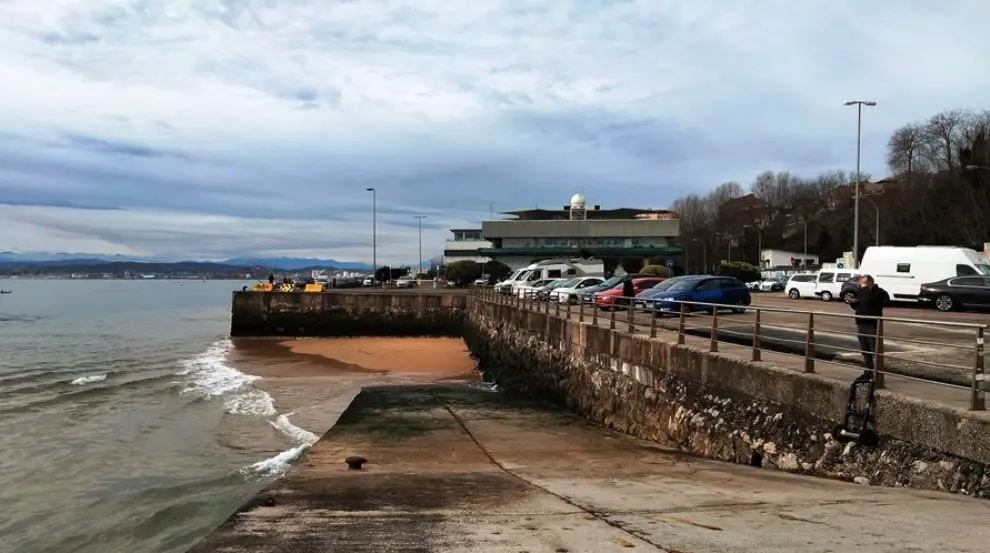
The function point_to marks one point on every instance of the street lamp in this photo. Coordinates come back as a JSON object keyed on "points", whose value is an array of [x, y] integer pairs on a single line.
{"points": [[759, 246], [704, 253], [859, 144], [420, 219], [804, 260], [374, 232], [877, 210]]}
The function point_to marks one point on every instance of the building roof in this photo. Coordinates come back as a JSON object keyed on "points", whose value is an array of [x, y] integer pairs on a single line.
{"points": [[465, 230], [591, 214]]}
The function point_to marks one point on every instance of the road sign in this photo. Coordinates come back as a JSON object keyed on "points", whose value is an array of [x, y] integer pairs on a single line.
{"points": [[840, 265], [669, 263]]}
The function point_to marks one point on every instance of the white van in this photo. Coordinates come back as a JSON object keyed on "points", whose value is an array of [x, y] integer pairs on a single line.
{"points": [[801, 286], [828, 282], [547, 270], [902, 270]]}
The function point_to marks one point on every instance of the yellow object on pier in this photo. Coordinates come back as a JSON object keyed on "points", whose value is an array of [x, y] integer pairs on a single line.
{"points": [[313, 288]]}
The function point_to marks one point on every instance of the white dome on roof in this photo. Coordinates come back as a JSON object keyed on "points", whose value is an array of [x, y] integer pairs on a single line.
{"points": [[577, 201]]}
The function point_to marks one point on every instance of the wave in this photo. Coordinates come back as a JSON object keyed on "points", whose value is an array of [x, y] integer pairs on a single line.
{"points": [[277, 465], [257, 403], [210, 375], [293, 432], [91, 379]]}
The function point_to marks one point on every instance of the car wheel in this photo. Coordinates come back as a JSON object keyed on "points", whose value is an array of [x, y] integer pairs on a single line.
{"points": [[826, 296], [794, 294], [848, 297], [944, 303], [739, 309]]}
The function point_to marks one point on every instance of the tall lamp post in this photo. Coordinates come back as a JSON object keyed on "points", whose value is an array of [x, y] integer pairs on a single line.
{"points": [[420, 219], [704, 253], [877, 211], [859, 144], [374, 232], [759, 246], [804, 260]]}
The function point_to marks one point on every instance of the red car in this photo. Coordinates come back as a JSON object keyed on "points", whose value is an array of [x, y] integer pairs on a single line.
{"points": [[610, 298]]}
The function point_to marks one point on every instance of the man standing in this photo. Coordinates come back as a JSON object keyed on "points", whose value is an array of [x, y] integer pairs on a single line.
{"points": [[868, 303]]}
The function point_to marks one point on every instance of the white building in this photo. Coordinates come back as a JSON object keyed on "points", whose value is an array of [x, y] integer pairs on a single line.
{"points": [[779, 259], [465, 247]]}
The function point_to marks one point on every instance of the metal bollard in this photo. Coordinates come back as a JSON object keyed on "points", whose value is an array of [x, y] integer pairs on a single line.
{"points": [[809, 345], [978, 400], [878, 381], [680, 324], [756, 337], [713, 347]]}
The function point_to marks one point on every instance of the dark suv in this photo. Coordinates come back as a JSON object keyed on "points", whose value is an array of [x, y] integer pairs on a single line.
{"points": [[849, 290]]}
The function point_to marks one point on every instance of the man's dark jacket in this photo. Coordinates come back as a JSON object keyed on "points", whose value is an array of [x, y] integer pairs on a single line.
{"points": [[869, 302]]}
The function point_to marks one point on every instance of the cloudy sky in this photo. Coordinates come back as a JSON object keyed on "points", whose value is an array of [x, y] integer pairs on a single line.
{"points": [[217, 128]]}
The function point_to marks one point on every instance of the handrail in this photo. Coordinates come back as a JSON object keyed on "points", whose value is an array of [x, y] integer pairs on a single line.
{"points": [[713, 333]]}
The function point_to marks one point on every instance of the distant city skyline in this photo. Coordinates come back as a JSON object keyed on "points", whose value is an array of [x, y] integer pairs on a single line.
{"points": [[204, 131]]}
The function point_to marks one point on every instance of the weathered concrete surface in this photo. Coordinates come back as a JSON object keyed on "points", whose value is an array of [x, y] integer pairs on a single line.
{"points": [[723, 407], [456, 470], [347, 314]]}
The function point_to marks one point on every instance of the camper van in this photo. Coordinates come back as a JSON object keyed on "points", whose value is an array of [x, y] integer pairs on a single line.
{"points": [[902, 270], [548, 269]]}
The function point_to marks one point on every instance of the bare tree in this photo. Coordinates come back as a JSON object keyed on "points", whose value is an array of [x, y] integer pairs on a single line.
{"points": [[946, 130], [908, 148]]}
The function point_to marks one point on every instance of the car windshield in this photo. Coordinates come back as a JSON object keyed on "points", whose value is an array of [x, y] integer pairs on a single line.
{"points": [[665, 285], [568, 283], [682, 285], [983, 268]]}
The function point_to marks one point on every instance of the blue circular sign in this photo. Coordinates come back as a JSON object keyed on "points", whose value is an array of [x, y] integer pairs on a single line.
{"points": [[669, 263]]}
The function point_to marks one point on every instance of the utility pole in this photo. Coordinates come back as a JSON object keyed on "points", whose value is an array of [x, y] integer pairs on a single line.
{"points": [[804, 260], [374, 233], [420, 219], [859, 143]]}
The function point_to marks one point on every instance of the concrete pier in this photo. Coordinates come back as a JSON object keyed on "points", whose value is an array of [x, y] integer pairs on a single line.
{"points": [[452, 469]]}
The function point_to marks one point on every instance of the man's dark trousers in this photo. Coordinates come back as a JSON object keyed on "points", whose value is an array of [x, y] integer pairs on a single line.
{"points": [[867, 342]]}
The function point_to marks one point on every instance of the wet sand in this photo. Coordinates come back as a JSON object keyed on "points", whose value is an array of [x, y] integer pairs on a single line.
{"points": [[315, 379]]}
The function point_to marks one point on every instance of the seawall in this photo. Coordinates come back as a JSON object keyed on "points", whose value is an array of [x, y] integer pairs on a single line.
{"points": [[722, 407], [347, 313], [711, 404]]}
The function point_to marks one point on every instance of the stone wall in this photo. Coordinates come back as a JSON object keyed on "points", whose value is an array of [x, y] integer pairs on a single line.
{"points": [[724, 408], [346, 314]]}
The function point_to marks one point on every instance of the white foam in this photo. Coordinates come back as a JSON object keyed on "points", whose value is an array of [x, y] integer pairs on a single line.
{"points": [[255, 403], [293, 432], [278, 464], [211, 376], [83, 380]]}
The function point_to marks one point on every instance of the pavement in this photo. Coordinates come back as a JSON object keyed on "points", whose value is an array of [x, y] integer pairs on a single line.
{"points": [[455, 469]]}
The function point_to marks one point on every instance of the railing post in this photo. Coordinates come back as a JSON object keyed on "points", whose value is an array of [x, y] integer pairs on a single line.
{"points": [[878, 381], [556, 308], [756, 338], [580, 310], [568, 309], [680, 324], [611, 318], [978, 400], [630, 311], [594, 313], [653, 321], [809, 345], [713, 347]]}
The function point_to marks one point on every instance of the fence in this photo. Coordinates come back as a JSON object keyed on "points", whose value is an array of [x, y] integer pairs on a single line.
{"points": [[949, 354]]}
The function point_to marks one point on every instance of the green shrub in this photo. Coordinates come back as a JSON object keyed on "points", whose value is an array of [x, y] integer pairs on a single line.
{"points": [[743, 271], [658, 270]]}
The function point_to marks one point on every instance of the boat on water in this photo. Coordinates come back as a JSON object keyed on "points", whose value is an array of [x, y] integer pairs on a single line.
{"points": [[6, 291]]}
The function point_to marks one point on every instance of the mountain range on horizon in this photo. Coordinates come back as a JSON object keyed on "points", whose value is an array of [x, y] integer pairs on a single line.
{"points": [[283, 263]]}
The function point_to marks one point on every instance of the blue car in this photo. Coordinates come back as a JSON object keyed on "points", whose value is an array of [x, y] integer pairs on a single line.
{"points": [[643, 298], [704, 289]]}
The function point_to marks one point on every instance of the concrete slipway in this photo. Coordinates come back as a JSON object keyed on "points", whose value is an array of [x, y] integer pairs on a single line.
{"points": [[453, 469]]}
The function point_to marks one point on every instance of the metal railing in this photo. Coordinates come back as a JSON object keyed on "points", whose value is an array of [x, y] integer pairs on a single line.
{"points": [[943, 353]]}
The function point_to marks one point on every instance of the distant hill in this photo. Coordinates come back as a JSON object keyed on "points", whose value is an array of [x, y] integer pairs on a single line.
{"points": [[65, 259], [118, 267]]}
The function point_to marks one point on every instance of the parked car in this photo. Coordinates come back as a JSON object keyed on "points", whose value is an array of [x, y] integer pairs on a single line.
{"points": [[801, 286], [543, 292], [528, 290], [956, 293], [570, 291], [405, 282], [775, 284], [368, 281], [588, 294], [703, 289], [828, 284], [643, 298], [607, 299], [849, 289]]}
